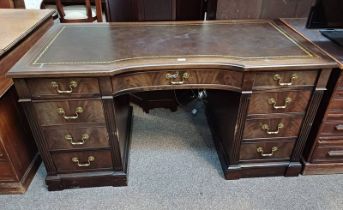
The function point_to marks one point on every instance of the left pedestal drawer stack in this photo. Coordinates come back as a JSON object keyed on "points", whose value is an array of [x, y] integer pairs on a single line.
{"points": [[19, 159], [69, 121]]}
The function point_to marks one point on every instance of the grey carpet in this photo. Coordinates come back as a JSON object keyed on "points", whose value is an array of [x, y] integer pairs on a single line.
{"points": [[173, 165]]}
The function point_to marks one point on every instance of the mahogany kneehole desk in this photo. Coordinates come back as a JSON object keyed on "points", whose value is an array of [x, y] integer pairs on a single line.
{"points": [[264, 85]]}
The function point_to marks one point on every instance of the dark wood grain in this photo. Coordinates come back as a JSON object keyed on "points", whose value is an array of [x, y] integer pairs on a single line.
{"points": [[98, 137], [253, 127], [269, 9], [64, 163], [328, 152], [47, 112], [19, 153], [232, 60], [157, 80], [42, 88], [331, 128], [322, 129], [155, 10], [175, 45], [266, 80], [249, 150], [260, 102], [19, 159]]}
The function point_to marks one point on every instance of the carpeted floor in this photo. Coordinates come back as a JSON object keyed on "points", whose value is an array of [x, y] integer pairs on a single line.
{"points": [[173, 165]]}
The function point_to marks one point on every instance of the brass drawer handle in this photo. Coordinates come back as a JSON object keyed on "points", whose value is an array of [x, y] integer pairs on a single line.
{"points": [[76, 160], [272, 101], [266, 128], [277, 77], [260, 150], [336, 153], [72, 84], [339, 127], [78, 111], [172, 77], [83, 140]]}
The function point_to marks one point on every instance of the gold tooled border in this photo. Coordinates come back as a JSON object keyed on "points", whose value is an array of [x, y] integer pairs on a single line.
{"points": [[306, 51]]}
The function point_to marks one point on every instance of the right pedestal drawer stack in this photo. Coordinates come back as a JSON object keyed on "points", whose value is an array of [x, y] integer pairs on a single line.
{"points": [[324, 154]]}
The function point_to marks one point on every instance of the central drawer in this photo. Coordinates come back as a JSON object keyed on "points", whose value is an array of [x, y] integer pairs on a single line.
{"points": [[151, 79], [272, 127], [82, 161], [71, 111]]}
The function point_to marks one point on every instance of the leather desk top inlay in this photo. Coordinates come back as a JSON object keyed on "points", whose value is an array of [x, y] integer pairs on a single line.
{"points": [[111, 48]]}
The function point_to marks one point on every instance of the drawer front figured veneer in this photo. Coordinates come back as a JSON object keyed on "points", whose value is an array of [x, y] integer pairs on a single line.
{"points": [[336, 105], [286, 79], [150, 79], [66, 87], [279, 102], [328, 152], [76, 138], [332, 128], [6, 172], [71, 111], [266, 150], [68, 162], [2, 154], [273, 127]]}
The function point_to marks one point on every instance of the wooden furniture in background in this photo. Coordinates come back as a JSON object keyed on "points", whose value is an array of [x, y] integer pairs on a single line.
{"points": [[258, 9], [154, 10], [19, 159], [324, 152], [6, 4], [89, 14], [77, 101]]}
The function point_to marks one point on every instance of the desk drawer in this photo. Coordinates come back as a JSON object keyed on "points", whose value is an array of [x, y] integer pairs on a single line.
{"points": [[285, 79], [279, 102], [82, 161], [72, 138], [328, 152], [65, 87], [336, 106], [330, 128], [266, 150], [2, 154], [72, 111], [273, 127], [151, 79]]}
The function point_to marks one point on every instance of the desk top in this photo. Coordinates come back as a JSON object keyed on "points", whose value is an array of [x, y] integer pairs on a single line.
{"points": [[107, 49], [16, 24], [313, 35]]}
